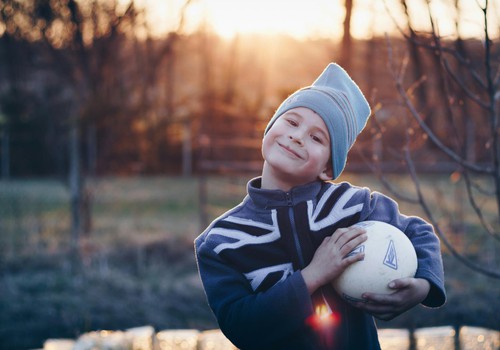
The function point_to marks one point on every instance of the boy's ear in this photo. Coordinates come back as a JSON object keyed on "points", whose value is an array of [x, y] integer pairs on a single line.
{"points": [[327, 174]]}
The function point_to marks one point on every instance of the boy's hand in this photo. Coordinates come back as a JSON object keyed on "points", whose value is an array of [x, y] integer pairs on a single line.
{"points": [[330, 259], [408, 293]]}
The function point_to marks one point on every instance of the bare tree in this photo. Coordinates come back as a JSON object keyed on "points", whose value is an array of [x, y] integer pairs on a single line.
{"points": [[466, 88], [77, 39], [160, 53], [346, 44]]}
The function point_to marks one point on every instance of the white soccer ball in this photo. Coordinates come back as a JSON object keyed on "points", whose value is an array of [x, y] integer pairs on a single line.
{"points": [[389, 255]]}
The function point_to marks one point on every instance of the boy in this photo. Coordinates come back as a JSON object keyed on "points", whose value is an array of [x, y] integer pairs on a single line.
{"points": [[266, 265]]}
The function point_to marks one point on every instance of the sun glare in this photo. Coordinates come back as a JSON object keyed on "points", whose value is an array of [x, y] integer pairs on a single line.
{"points": [[317, 18], [293, 17]]}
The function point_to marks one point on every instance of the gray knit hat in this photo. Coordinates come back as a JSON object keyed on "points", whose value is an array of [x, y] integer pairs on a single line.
{"points": [[336, 98]]}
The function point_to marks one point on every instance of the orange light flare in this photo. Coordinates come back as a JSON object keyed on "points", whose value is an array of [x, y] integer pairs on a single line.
{"points": [[323, 318]]}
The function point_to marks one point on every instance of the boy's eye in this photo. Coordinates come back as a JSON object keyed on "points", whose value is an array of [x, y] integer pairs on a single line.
{"points": [[292, 122], [317, 139]]}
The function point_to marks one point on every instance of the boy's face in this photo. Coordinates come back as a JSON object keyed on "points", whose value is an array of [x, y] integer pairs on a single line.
{"points": [[297, 147]]}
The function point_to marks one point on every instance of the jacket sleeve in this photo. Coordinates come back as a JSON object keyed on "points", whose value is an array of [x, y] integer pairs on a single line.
{"points": [[251, 320], [377, 206]]}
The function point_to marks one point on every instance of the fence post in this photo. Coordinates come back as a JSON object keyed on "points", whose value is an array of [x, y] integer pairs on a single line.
{"points": [[203, 201], [413, 342]]}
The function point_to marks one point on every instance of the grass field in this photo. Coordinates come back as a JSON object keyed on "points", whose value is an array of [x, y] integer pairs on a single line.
{"points": [[138, 266]]}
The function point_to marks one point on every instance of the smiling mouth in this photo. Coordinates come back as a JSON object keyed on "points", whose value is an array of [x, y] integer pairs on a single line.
{"points": [[290, 150]]}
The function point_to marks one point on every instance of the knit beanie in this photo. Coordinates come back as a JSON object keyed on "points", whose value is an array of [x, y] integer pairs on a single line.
{"points": [[336, 98]]}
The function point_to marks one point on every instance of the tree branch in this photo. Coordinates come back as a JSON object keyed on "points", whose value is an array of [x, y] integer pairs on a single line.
{"points": [[486, 226], [467, 262], [487, 85], [411, 108], [492, 111], [413, 38]]}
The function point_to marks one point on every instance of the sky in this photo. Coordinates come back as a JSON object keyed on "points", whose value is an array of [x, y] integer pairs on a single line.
{"points": [[319, 18]]}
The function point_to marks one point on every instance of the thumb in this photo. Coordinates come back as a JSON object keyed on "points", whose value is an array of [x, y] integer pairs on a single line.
{"points": [[400, 283]]}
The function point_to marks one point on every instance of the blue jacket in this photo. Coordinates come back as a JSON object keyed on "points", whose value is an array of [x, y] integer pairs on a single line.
{"points": [[250, 259]]}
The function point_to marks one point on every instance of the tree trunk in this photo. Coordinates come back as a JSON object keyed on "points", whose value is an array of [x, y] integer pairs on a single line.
{"points": [[5, 135], [75, 182], [187, 154], [346, 48]]}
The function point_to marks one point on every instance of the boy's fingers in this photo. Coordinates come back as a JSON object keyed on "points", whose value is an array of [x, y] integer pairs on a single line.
{"points": [[353, 258], [338, 235], [344, 235], [400, 283], [378, 299], [353, 243], [326, 240]]}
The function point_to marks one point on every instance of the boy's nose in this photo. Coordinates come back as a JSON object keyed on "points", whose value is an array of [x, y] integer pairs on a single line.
{"points": [[296, 139]]}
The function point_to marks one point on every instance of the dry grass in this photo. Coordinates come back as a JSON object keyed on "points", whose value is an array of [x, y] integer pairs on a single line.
{"points": [[138, 264]]}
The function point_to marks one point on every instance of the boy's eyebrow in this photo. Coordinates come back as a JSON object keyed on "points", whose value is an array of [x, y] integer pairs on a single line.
{"points": [[295, 114]]}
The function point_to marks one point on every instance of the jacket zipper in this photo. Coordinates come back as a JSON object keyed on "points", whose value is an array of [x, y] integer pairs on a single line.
{"points": [[298, 248], [295, 234]]}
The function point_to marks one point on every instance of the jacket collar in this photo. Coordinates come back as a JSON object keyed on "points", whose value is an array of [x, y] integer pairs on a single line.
{"points": [[277, 198]]}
